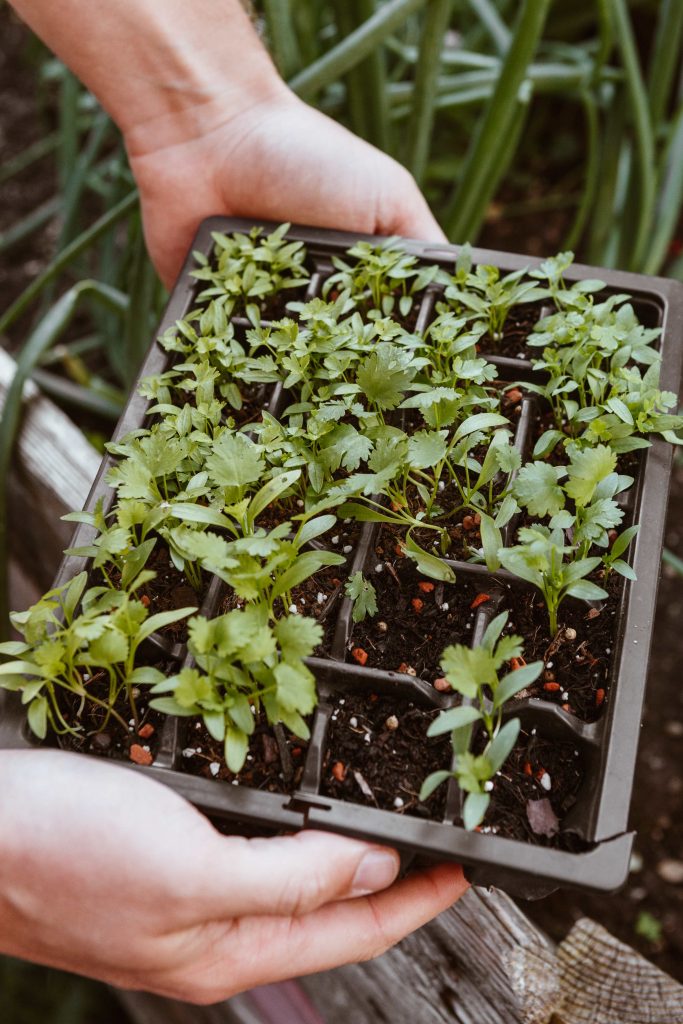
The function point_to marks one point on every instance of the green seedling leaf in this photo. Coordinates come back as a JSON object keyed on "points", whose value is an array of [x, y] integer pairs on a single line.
{"points": [[538, 490], [480, 421], [587, 591], [236, 748], [511, 684], [363, 595], [162, 619], [474, 809], [297, 636], [37, 716], [270, 492], [453, 718], [432, 783], [500, 747], [428, 564], [586, 470]]}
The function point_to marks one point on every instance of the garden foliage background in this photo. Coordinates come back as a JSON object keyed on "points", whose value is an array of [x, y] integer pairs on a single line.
{"points": [[531, 126]]}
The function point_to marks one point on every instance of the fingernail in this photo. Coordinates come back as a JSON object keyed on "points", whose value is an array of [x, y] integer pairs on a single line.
{"points": [[376, 871]]}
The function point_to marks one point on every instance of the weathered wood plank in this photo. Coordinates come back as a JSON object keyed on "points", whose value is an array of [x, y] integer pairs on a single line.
{"points": [[451, 972]]}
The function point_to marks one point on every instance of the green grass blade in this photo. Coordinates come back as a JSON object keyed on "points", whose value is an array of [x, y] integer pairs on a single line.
{"points": [[105, 223], [373, 72], [493, 23], [68, 127], [90, 399], [427, 72], [29, 156], [673, 560], [641, 207], [665, 58], [282, 36], [355, 89], [591, 181], [138, 325], [354, 48], [670, 199], [602, 221], [33, 221], [467, 208]]}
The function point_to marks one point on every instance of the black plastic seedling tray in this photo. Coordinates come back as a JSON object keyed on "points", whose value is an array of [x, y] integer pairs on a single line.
{"points": [[598, 821]]}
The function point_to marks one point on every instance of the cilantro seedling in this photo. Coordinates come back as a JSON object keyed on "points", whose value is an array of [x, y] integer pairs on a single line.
{"points": [[243, 662], [249, 268], [473, 672], [74, 636], [543, 559], [383, 278], [363, 595], [482, 295]]}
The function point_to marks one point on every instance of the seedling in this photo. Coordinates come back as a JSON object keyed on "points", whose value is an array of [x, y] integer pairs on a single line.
{"points": [[363, 595], [78, 641], [473, 672], [483, 296], [544, 560], [243, 664]]}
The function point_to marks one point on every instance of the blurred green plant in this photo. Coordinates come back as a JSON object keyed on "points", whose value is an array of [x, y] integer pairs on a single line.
{"points": [[30, 994], [479, 98]]}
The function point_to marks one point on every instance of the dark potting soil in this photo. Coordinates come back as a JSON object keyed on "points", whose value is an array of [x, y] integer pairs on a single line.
{"points": [[275, 761], [108, 738], [368, 763], [537, 769], [463, 539], [167, 591], [255, 398], [520, 323], [320, 597], [418, 626], [578, 671]]}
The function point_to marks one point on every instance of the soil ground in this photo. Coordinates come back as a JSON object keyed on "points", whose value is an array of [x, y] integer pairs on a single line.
{"points": [[657, 811]]}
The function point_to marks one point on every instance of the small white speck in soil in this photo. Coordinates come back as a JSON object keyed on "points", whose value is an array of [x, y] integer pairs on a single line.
{"points": [[368, 737], [353, 722], [379, 567], [293, 609], [444, 606], [488, 786], [546, 782], [347, 549], [214, 768], [320, 597], [188, 752], [398, 802], [335, 539]]}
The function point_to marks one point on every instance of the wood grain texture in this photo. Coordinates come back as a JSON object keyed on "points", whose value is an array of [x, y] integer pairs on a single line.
{"points": [[454, 971]]}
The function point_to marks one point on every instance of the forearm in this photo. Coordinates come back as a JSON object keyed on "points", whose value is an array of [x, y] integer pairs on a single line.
{"points": [[164, 69]]}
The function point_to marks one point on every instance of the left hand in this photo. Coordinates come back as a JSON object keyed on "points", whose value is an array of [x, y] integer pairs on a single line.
{"points": [[277, 160]]}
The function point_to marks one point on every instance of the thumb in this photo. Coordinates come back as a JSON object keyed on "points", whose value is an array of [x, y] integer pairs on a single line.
{"points": [[293, 875]]}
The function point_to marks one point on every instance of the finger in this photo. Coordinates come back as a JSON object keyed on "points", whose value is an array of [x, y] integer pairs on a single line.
{"points": [[404, 210], [290, 875], [333, 935]]}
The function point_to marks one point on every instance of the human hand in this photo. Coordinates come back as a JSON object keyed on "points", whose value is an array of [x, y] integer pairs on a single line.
{"points": [[277, 160], [110, 874]]}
